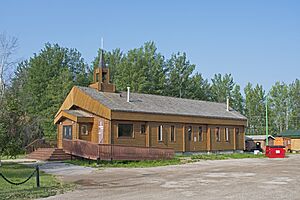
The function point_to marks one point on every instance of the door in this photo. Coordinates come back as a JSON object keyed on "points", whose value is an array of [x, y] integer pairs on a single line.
{"points": [[188, 138], [237, 139]]}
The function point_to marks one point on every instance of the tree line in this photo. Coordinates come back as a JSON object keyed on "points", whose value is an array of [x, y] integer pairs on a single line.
{"points": [[41, 83]]}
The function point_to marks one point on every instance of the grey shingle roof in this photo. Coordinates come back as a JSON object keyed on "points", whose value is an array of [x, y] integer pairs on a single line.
{"points": [[157, 104]]}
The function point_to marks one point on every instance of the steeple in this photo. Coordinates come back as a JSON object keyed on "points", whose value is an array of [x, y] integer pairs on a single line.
{"points": [[101, 80]]}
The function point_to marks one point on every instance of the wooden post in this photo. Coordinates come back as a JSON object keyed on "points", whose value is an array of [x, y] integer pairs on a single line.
{"points": [[208, 138], [147, 135], [234, 139], [37, 176], [183, 139]]}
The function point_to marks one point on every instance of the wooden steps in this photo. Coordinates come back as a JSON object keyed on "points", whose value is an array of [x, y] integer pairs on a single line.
{"points": [[50, 154]]}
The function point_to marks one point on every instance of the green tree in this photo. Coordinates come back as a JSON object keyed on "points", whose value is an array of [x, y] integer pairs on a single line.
{"points": [[179, 73], [255, 109], [141, 69], [50, 76], [113, 60], [294, 105], [224, 87], [279, 107], [198, 88], [237, 99]]}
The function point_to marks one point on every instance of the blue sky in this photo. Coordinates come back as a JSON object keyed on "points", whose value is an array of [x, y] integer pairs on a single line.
{"points": [[256, 41]]}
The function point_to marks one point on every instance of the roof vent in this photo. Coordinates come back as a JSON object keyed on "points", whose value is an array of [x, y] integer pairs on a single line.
{"points": [[128, 94]]}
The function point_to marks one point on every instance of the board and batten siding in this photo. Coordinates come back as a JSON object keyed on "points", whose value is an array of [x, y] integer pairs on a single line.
{"points": [[182, 142]]}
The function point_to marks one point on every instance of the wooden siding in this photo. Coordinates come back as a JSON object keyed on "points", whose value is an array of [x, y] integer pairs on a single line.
{"points": [[137, 139], [95, 130], [182, 142], [66, 122], [64, 114], [78, 98], [89, 129], [295, 144]]}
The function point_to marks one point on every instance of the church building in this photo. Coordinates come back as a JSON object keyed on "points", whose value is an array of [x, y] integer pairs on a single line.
{"points": [[101, 115]]}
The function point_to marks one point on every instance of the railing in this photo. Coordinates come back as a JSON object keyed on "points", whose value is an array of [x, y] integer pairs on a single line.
{"points": [[95, 151], [40, 143]]}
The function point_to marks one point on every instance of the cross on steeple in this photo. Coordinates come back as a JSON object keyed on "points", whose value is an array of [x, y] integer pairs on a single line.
{"points": [[101, 56]]}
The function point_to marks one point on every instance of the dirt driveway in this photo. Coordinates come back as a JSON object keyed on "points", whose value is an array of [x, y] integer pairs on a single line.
{"points": [[223, 179]]}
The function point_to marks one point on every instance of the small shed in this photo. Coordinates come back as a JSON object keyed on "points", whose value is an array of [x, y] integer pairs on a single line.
{"points": [[294, 135], [283, 141], [257, 142]]}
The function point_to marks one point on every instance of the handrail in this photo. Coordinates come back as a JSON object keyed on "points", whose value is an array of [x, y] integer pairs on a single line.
{"points": [[40, 143], [95, 151], [33, 142], [119, 145]]}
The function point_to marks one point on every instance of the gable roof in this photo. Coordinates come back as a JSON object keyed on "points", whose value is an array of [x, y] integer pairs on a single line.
{"points": [[156, 104], [290, 134], [75, 115]]}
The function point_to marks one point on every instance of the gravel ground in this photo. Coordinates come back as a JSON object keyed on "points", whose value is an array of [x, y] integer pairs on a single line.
{"points": [[219, 179]]}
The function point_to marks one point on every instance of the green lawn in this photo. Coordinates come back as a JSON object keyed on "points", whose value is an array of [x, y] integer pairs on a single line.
{"points": [[20, 156], [17, 173], [179, 159], [226, 156], [126, 164]]}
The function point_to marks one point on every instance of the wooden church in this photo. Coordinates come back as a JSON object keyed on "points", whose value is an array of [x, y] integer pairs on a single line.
{"points": [[100, 115]]}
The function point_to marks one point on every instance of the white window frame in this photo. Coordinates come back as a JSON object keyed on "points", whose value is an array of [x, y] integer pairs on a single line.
{"points": [[174, 134], [218, 135], [86, 129], [200, 134], [160, 133], [227, 134]]}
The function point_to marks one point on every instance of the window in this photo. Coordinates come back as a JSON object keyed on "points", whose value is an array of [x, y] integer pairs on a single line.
{"points": [[189, 133], [218, 136], [84, 130], [103, 77], [143, 129], [200, 135], [172, 134], [67, 132], [160, 133], [125, 130], [237, 131], [227, 134]]}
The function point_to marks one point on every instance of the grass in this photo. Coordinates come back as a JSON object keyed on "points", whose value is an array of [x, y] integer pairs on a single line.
{"points": [[20, 156], [226, 156], [179, 159], [126, 164], [17, 173]]}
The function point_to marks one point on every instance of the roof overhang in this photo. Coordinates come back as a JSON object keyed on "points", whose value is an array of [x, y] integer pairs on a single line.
{"points": [[64, 114]]}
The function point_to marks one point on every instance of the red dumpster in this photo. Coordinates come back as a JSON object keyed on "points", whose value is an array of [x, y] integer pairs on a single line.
{"points": [[275, 151]]}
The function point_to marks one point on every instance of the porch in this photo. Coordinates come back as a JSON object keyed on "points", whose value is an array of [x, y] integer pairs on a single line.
{"points": [[94, 151]]}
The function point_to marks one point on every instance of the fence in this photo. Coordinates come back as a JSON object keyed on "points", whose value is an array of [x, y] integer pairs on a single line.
{"points": [[36, 172], [40, 143], [95, 151]]}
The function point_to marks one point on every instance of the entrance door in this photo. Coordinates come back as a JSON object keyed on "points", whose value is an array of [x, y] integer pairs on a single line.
{"points": [[237, 138], [188, 138]]}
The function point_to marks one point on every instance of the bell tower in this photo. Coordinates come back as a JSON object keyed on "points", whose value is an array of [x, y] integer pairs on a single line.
{"points": [[101, 78]]}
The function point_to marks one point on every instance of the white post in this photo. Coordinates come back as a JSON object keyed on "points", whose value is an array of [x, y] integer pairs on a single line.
{"points": [[128, 93]]}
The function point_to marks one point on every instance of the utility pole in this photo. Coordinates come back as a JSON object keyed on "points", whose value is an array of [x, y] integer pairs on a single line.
{"points": [[267, 126]]}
